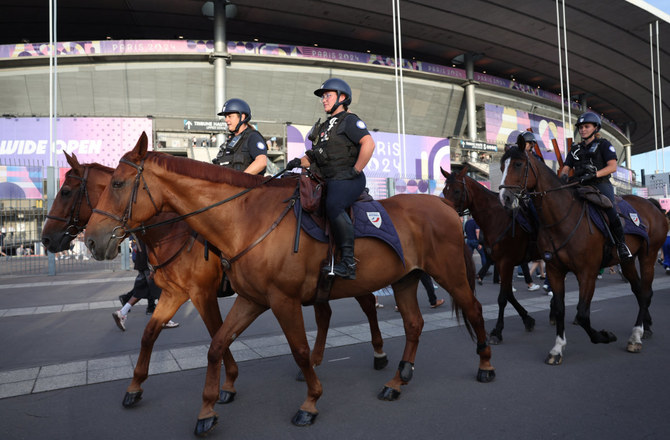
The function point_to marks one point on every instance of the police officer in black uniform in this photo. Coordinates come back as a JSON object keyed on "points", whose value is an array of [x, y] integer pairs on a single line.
{"points": [[593, 160], [342, 148], [245, 148]]}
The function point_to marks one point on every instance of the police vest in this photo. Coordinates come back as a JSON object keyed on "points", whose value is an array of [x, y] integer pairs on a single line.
{"points": [[588, 154], [335, 154], [236, 154]]}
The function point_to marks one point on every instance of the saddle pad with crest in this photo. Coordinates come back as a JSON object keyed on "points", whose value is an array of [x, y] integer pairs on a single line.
{"points": [[370, 220], [632, 222]]}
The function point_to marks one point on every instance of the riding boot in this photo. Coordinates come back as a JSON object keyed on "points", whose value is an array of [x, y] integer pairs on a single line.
{"points": [[622, 249], [343, 231]]}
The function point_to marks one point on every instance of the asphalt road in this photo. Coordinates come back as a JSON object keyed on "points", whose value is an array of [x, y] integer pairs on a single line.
{"points": [[600, 391]]}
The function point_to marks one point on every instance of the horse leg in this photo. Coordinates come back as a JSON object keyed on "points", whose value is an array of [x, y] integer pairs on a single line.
{"points": [[322, 314], [288, 314], [643, 293], [557, 279], [367, 303], [242, 313], [205, 302], [408, 306], [587, 284], [504, 296], [171, 300]]}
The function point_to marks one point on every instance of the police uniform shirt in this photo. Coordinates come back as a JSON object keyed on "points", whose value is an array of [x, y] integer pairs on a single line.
{"points": [[354, 128], [256, 144], [605, 149]]}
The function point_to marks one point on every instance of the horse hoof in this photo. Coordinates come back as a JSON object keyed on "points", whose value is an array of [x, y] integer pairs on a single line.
{"points": [[226, 396], [554, 359], [634, 347], [486, 376], [381, 362], [406, 370], [131, 399], [303, 418], [647, 334], [300, 377], [495, 339], [205, 426], [529, 323], [607, 336], [388, 393]]}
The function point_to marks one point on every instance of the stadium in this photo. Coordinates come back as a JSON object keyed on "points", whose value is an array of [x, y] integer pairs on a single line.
{"points": [[471, 76]]}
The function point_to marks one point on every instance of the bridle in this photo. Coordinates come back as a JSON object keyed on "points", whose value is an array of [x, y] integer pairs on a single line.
{"points": [[73, 227], [128, 213], [463, 198]]}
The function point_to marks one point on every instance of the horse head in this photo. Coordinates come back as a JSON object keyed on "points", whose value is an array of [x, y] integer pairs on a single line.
{"points": [[519, 176], [121, 206], [74, 203], [455, 190]]}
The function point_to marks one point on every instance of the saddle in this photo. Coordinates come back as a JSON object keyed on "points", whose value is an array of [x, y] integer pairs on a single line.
{"points": [[593, 196]]}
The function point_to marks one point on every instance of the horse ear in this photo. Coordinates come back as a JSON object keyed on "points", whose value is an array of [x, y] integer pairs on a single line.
{"points": [[464, 170], [74, 163], [140, 149], [445, 173]]}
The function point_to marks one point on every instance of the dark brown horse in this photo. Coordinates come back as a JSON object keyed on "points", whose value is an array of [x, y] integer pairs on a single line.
{"points": [[248, 224], [177, 255], [506, 242], [570, 242]]}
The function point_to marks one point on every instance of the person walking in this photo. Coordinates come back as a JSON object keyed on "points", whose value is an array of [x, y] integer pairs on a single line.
{"points": [[342, 147], [144, 287]]}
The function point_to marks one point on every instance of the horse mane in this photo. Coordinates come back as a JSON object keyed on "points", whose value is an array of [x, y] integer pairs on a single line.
{"points": [[213, 173], [657, 204], [93, 165]]}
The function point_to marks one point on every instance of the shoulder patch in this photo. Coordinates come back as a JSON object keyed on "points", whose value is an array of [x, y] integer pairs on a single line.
{"points": [[260, 145], [360, 124], [612, 149]]}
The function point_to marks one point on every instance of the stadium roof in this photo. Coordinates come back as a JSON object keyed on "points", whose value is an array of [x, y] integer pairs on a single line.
{"points": [[608, 40]]}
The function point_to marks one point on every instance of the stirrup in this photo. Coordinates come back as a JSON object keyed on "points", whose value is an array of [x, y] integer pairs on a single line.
{"points": [[344, 270], [624, 252]]}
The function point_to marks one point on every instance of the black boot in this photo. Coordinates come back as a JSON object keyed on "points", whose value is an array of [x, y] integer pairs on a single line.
{"points": [[622, 249], [343, 231]]}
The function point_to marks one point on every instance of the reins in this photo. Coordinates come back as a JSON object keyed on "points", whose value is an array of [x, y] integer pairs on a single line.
{"points": [[127, 215]]}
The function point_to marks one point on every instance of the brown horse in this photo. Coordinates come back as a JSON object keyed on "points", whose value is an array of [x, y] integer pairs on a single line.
{"points": [[570, 242], [250, 227], [506, 242], [177, 255]]}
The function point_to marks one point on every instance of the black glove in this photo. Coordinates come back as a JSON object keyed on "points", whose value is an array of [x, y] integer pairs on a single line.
{"points": [[565, 179], [586, 177], [293, 163], [589, 169], [215, 161]]}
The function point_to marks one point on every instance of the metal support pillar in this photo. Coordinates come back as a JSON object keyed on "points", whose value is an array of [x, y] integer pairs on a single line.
{"points": [[219, 58], [469, 86]]}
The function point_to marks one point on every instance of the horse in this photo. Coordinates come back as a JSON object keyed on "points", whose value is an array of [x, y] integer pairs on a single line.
{"points": [[245, 217], [506, 241], [177, 255], [569, 242]]}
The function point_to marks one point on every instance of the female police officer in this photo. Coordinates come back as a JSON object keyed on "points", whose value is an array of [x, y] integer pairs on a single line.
{"points": [[593, 160], [245, 149], [342, 148]]}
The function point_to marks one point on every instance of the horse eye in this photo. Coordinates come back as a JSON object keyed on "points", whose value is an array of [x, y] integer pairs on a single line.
{"points": [[117, 184], [65, 192]]}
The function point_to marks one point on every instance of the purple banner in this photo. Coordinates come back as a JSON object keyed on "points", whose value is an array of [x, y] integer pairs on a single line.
{"points": [[421, 158], [102, 140]]}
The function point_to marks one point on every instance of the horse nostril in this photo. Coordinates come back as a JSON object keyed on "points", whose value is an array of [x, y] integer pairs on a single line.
{"points": [[90, 244]]}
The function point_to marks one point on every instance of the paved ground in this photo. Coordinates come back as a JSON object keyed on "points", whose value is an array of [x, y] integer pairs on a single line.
{"points": [[65, 366]]}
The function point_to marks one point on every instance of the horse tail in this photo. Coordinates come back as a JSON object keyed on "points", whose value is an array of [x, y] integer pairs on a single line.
{"points": [[471, 274]]}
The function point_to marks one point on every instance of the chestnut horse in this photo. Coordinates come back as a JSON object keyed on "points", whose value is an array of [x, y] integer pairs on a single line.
{"points": [[506, 242], [245, 217], [177, 255], [570, 242]]}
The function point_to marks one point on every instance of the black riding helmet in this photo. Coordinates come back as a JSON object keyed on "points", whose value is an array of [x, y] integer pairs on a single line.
{"points": [[239, 106], [340, 87], [525, 136], [589, 118]]}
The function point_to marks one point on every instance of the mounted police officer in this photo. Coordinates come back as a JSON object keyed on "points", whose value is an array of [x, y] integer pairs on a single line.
{"points": [[593, 160], [244, 149], [342, 147]]}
